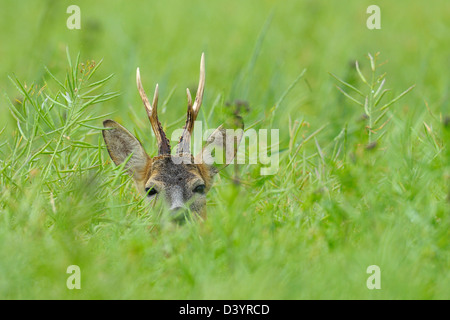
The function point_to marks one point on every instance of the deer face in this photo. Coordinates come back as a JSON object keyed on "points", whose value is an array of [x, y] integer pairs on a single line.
{"points": [[181, 185], [181, 180]]}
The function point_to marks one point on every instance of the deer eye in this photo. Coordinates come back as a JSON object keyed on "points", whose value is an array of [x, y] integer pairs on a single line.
{"points": [[200, 189], [150, 191]]}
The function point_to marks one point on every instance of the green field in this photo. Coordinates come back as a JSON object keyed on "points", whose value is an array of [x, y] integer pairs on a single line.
{"points": [[364, 171]]}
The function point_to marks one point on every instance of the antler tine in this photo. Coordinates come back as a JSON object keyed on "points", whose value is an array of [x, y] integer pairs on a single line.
{"points": [[192, 110], [152, 112], [189, 98], [155, 100], [201, 86]]}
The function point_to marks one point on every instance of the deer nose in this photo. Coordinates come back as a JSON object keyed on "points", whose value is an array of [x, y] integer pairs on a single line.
{"points": [[178, 210], [179, 215]]}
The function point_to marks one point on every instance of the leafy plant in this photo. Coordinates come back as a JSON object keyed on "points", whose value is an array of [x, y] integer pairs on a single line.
{"points": [[371, 99]]}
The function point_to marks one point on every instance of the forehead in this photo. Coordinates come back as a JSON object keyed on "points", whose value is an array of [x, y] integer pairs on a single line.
{"points": [[164, 169]]}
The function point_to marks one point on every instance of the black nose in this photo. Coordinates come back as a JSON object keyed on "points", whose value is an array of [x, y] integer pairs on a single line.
{"points": [[179, 215]]}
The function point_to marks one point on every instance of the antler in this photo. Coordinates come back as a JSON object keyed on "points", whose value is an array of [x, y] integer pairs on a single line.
{"points": [[192, 110], [163, 142]]}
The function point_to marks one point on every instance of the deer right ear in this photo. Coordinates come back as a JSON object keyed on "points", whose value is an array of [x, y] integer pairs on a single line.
{"points": [[120, 144], [220, 149]]}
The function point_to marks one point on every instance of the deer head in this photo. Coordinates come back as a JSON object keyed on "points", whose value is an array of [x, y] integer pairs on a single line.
{"points": [[181, 179]]}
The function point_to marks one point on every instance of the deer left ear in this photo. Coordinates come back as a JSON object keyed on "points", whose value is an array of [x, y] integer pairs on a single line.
{"points": [[121, 144], [220, 149]]}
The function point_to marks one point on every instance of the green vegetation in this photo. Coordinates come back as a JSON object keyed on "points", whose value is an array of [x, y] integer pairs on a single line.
{"points": [[364, 125]]}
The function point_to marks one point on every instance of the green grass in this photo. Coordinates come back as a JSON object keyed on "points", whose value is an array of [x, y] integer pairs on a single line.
{"points": [[362, 181]]}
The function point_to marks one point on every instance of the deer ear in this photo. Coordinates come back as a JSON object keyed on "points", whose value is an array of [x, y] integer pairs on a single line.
{"points": [[220, 149], [120, 144]]}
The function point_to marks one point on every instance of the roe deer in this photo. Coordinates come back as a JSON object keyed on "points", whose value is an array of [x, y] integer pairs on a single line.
{"points": [[181, 179]]}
